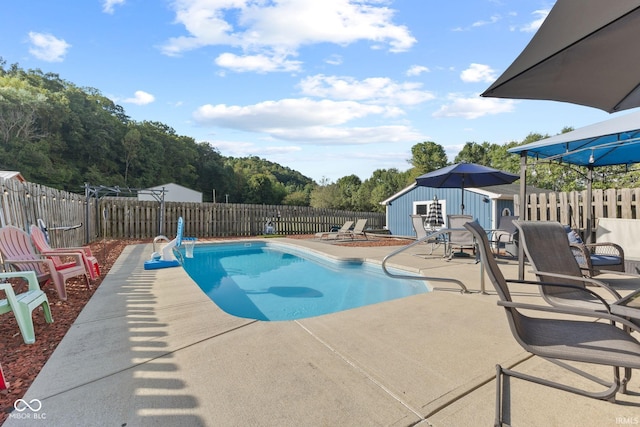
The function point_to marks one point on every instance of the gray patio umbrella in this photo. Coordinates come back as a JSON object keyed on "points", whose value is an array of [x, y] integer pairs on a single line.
{"points": [[584, 53], [461, 175]]}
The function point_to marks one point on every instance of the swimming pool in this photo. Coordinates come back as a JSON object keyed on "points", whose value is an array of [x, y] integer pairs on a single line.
{"points": [[271, 281]]}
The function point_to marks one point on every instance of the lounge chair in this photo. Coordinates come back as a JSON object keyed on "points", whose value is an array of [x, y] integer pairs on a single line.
{"points": [[40, 242], [561, 339], [17, 251], [22, 305], [547, 248], [459, 239], [335, 234], [595, 257], [358, 230]]}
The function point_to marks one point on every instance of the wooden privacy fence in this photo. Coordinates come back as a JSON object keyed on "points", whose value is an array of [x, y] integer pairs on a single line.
{"points": [[64, 213], [130, 218], [71, 217], [569, 208]]}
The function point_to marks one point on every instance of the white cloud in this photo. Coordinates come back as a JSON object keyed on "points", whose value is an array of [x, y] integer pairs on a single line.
{"points": [[473, 108], [108, 5], [47, 47], [373, 90], [256, 63], [242, 149], [307, 121], [325, 135], [334, 60], [140, 98], [478, 73], [285, 113], [266, 28], [492, 20], [533, 26], [416, 70]]}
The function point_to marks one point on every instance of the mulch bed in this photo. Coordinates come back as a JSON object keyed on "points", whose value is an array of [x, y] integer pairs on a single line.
{"points": [[22, 362]]}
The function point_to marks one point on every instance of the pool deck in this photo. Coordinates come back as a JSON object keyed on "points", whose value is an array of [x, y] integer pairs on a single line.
{"points": [[150, 348]]}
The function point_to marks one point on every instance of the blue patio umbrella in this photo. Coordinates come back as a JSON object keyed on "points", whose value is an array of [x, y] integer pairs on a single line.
{"points": [[461, 175]]}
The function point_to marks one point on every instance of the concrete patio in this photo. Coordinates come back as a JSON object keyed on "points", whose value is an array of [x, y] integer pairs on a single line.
{"points": [[151, 348]]}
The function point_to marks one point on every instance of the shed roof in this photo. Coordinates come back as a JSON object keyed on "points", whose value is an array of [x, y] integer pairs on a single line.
{"points": [[500, 192], [12, 174], [173, 185]]}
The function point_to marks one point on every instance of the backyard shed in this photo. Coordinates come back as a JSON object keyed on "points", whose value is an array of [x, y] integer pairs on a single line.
{"points": [[485, 204], [12, 175], [173, 193]]}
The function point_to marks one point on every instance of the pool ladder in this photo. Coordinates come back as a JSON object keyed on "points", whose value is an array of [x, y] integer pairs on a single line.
{"points": [[165, 239], [159, 238], [431, 279]]}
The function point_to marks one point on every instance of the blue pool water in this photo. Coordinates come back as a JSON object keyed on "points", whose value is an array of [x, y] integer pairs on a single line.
{"points": [[269, 281]]}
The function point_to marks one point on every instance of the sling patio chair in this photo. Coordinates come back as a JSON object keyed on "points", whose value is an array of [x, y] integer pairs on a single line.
{"points": [[595, 257], [504, 235], [40, 242], [18, 252], [458, 238], [561, 336], [418, 222], [23, 304], [547, 248]]}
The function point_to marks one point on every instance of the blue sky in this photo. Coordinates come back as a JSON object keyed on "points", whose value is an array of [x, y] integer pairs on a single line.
{"points": [[328, 88]]}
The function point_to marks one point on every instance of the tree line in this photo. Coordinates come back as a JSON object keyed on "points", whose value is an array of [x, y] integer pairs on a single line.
{"points": [[61, 135]]}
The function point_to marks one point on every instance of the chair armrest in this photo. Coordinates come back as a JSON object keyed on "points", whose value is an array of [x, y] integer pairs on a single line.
{"points": [[575, 311], [48, 266], [29, 276], [41, 260], [606, 248], [564, 285], [619, 273], [583, 280], [500, 236], [80, 249], [77, 256], [9, 293], [583, 256]]}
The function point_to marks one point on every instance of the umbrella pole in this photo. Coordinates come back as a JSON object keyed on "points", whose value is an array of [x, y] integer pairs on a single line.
{"points": [[462, 202], [588, 205]]}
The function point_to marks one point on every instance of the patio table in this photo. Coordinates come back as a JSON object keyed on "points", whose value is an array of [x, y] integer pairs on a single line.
{"points": [[629, 307]]}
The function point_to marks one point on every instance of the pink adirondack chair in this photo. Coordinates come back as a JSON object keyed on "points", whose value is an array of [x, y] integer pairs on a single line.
{"points": [[17, 251], [40, 242]]}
